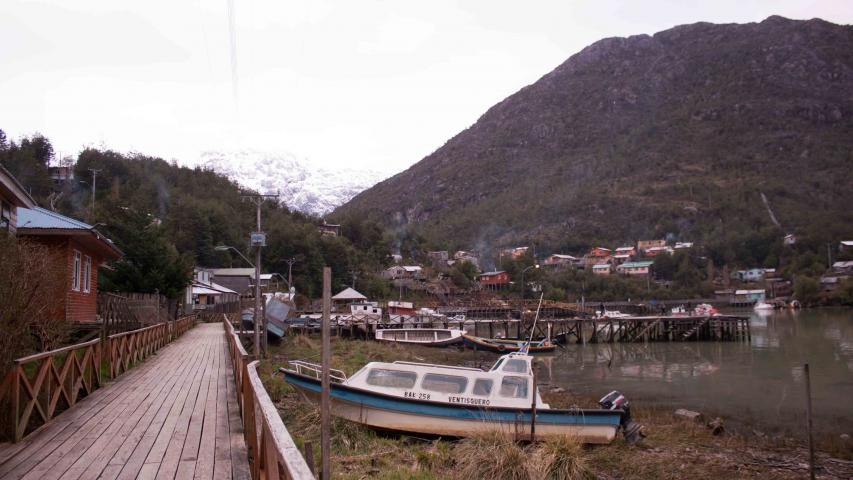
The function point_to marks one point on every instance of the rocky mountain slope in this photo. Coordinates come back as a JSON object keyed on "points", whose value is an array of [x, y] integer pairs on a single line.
{"points": [[303, 187], [678, 133]]}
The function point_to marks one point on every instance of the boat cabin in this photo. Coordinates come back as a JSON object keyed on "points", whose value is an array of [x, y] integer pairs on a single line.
{"points": [[509, 383]]}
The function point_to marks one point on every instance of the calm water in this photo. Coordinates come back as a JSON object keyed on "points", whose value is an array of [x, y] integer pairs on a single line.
{"points": [[760, 381]]}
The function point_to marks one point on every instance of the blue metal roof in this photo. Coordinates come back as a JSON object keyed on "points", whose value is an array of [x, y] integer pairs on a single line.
{"points": [[40, 218]]}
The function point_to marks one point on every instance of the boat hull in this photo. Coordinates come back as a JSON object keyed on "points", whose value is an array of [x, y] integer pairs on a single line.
{"points": [[485, 344], [431, 418], [453, 340]]}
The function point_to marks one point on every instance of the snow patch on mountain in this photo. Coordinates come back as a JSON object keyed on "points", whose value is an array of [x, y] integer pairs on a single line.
{"points": [[303, 187]]}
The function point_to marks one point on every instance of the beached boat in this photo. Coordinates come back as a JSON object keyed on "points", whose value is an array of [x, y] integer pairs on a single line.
{"points": [[502, 345], [460, 401], [431, 337]]}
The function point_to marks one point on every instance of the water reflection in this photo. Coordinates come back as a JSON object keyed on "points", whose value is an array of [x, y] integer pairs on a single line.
{"points": [[760, 380]]}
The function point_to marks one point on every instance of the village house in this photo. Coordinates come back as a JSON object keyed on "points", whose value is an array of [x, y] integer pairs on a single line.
{"points": [[751, 275], [559, 260], [635, 268], [403, 272], [683, 245], [602, 269], [13, 195], [493, 280], [61, 174], [464, 256], [643, 245], [843, 267], [749, 296], [845, 246], [241, 280], [829, 283], [790, 239], [514, 252], [329, 229], [597, 256], [79, 251], [399, 308], [655, 251], [204, 293]]}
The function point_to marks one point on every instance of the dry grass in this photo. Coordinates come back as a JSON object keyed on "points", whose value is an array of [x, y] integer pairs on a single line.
{"points": [[675, 449]]}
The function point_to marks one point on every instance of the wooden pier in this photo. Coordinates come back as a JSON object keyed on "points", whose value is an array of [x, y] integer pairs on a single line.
{"points": [[720, 328]]}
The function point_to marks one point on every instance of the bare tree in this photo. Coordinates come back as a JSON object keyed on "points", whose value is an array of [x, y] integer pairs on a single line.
{"points": [[32, 284]]}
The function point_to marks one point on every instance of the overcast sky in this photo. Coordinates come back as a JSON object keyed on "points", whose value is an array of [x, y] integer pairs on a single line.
{"points": [[375, 85]]}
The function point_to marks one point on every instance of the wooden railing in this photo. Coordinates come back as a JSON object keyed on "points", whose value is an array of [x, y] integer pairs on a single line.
{"points": [[61, 374], [272, 451], [39, 387]]}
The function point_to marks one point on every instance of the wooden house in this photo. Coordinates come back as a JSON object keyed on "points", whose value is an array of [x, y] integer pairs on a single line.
{"points": [[13, 196], [602, 269], [635, 268], [494, 280], [559, 260], [643, 245], [329, 229], [79, 249]]}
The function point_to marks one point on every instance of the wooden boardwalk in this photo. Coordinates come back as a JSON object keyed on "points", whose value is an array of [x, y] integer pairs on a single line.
{"points": [[173, 416]]}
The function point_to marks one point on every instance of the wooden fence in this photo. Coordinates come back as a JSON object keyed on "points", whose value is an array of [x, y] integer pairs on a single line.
{"points": [[39, 387], [272, 452]]}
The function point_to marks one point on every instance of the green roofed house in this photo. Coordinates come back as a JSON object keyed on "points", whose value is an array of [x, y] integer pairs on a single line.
{"points": [[635, 268]]}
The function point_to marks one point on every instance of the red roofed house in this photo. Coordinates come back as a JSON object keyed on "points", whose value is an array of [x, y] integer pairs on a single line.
{"points": [[81, 250]]}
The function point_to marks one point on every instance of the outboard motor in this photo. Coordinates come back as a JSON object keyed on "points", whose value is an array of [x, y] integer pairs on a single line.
{"points": [[633, 431]]}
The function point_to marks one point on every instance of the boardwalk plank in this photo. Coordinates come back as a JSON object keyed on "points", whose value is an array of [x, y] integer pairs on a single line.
{"points": [[101, 452], [173, 416]]}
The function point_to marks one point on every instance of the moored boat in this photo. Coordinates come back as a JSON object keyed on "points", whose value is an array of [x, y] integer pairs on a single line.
{"points": [[460, 401], [431, 337], [501, 345], [762, 305]]}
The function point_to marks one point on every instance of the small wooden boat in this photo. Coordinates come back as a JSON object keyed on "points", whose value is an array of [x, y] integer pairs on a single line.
{"points": [[430, 337], [501, 345], [460, 401]]}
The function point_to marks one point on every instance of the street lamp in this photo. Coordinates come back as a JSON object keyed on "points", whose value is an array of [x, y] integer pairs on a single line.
{"points": [[225, 248], [522, 278], [256, 317]]}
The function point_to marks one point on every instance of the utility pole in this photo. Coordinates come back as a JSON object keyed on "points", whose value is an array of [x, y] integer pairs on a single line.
{"points": [[94, 188], [258, 239], [290, 262]]}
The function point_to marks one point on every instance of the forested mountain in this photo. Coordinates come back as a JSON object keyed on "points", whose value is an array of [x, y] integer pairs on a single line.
{"points": [[676, 134], [168, 219]]}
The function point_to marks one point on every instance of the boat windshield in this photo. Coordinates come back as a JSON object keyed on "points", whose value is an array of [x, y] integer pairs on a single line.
{"points": [[515, 365], [498, 364]]}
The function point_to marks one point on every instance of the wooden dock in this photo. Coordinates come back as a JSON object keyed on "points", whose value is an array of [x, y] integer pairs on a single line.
{"points": [[720, 328], [174, 416]]}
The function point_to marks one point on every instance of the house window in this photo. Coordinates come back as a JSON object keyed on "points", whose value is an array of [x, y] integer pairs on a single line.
{"points": [[87, 274], [437, 382], [75, 273], [391, 378]]}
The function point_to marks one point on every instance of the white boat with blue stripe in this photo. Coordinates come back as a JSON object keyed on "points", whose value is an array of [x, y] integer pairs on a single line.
{"points": [[460, 401]]}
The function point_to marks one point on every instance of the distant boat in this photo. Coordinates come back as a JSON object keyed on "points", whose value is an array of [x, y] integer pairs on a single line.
{"points": [[460, 401], [502, 345], [762, 305], [430, 337]]}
